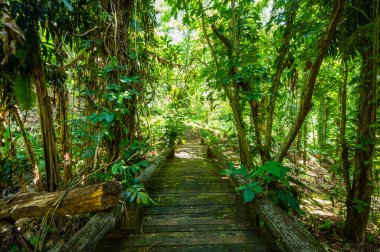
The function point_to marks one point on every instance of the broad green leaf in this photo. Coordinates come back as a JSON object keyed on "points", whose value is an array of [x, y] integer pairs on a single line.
{"points": [[24, 91], [248, 195]]}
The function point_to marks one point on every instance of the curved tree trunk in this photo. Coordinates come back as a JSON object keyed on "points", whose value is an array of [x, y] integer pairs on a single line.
{"points": [[282, 52], [309, 89]]}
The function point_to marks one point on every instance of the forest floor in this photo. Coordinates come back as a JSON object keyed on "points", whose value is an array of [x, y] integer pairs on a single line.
{"points": [[323, 203]]}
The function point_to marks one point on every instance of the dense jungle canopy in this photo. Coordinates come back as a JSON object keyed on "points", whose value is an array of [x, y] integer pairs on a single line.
{"points": [[91, 91]]}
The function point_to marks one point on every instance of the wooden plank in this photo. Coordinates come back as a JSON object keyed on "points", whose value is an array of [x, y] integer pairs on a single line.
{"points": [[193, 195], [262, 247], [214, 215], [187, 185], [194, 178], [190, 209], [193, 201], [189, 228], [153, 192], [187, 221], [190, 238]]}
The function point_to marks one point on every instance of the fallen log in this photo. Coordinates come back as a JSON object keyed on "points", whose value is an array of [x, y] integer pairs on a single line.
{"points": [[91, 198], [89, 237], [288, 230]]}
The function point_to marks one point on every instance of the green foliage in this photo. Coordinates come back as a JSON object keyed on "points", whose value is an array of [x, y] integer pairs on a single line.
{"points": [[271, 178], [137, 193], [325, 225], [360, 205]]}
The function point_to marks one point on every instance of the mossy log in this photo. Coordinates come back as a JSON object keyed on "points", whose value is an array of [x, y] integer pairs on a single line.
{"points": [[288, 230], [91, 198]]}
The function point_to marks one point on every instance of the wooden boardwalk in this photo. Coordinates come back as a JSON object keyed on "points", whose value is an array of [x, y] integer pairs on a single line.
{"points": [[195, 211]]}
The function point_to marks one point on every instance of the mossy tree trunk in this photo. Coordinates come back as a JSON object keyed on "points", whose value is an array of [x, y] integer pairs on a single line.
{"points": [[117, 45]]}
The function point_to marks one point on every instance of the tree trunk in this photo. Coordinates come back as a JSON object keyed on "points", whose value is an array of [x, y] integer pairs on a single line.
{"points": [[29, 149], [264, 153], [245, 156], [83, 200], [343, 122], [282, 52], [322, 127], [45, 114], [64, 134], [117, 45], [309, 89], [232, 93], [304, 154], [359, 198]]}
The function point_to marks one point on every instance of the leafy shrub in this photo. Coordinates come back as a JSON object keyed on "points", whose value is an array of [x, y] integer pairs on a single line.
{"points": [[271, 178]]}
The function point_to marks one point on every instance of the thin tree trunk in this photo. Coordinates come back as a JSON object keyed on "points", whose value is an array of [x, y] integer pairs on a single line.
{"points": [[64, 134], [304, 156], [232, 92], [245, 156], [359, 201], [343, 123], [29, 149], [282, 52], [322, 127], [264, 154], [309, 89], [45, 114]]}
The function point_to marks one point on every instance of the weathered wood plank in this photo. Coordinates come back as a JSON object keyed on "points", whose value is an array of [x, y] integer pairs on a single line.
{"points": [[193, 201], [187, 221], [192, 228], [263, 247], [190, 238], [190, 209]]}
